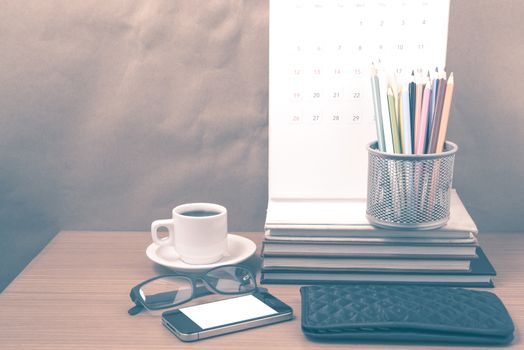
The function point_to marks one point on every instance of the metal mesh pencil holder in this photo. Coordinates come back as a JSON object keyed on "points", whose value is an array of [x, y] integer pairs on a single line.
{"points": [[409, 191]]}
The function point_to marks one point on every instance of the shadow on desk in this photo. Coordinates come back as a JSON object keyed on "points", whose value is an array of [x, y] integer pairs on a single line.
{"points": [[254, 263], [18, 246]]}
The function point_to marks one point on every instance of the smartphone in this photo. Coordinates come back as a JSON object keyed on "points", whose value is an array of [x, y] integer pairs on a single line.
{"points": [[226, 316]]}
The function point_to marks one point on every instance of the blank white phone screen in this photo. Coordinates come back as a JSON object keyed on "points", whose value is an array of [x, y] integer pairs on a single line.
{"points": [[227, 311]]}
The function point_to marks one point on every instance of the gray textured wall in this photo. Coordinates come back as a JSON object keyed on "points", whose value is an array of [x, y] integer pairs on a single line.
{"points": [[486, 51], [113, 112]]}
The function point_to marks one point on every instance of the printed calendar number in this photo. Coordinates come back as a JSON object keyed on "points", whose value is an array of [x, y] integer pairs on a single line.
{"points": [[295, 95], [295, 118]]}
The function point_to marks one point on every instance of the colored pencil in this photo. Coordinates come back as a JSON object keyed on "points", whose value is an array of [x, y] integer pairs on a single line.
{"points": [[406, 118], [395, 88], [412, 116], [423, 124], [400, 117], [432, 104], [384, 106], [378, 111], [412, 93], [437, 115], [394, 123], [419, 89], [445, 114]]}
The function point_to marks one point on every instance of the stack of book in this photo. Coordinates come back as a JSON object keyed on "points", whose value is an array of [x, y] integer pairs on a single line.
{"points": [[307, 254]]}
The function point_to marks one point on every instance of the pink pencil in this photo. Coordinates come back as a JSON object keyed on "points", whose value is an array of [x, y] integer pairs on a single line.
{"points": [[423, 122], [419, 90]]}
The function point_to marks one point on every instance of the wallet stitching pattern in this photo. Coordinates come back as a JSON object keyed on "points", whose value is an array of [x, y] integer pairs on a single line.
{"points": [[403, 309]]}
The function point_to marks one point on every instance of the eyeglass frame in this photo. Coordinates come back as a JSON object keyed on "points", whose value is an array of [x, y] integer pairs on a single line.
{"points": [[196, 291]]}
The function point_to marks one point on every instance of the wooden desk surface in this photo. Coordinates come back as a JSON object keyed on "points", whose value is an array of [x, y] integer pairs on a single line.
{"points": [[75, 295]]}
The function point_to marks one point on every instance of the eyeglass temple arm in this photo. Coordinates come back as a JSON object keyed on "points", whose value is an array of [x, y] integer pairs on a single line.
{"points": [[135, 309]]}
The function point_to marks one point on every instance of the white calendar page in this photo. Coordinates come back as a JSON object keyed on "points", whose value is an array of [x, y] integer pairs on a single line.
{"points": [[320, 108]]}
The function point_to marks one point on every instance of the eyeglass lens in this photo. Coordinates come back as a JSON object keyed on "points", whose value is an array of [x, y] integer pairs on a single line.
{"points": [[231, 279], [173, 290], [166, 291]]}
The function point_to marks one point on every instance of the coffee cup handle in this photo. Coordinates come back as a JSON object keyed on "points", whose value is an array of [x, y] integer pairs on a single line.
{"points": [[167, 223]]}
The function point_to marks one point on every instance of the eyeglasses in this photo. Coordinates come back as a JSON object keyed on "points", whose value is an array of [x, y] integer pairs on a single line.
{"points": [[166, 291]]}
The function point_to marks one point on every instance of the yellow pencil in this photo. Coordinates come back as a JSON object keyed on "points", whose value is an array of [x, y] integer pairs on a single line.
{"points": [[400, 117], [394, 122], [445, 114]]}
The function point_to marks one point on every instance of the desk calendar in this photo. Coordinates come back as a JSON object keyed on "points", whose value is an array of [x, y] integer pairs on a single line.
{"points": [[320, 110]]}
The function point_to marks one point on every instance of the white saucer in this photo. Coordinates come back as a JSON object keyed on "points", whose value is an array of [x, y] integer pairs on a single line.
{"points": [[238, 249]]}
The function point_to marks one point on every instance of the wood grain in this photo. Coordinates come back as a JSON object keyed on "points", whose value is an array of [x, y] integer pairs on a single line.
{"points": [[74, 295]]}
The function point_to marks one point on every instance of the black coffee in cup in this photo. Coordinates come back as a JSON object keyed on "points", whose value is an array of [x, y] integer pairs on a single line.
{"points": [[200, 213]]}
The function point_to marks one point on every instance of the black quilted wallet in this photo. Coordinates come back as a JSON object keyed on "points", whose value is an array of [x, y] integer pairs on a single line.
{"points": [[371, 312]]}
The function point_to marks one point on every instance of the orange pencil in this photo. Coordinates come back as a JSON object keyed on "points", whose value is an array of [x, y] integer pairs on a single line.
{"points": [[445, 114]]}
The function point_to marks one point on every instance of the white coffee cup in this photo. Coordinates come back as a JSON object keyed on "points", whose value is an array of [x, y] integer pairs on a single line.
{"points": [[197, 231]]}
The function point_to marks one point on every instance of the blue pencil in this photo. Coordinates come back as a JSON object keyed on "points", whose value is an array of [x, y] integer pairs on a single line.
{"points": [[412, 98], [377, 108]]}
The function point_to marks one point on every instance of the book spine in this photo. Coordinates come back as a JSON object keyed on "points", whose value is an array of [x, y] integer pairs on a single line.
{"points": [[305, 281]]}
